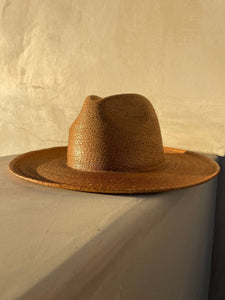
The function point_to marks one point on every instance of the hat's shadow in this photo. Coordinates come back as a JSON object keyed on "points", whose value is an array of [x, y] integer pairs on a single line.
{"points": [[77, 277]]}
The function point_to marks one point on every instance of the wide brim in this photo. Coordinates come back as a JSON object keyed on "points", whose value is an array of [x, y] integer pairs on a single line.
{"points": [[181, 169]]}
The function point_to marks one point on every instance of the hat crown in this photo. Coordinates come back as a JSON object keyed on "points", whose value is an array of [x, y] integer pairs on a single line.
{"points": [[116, 133]]}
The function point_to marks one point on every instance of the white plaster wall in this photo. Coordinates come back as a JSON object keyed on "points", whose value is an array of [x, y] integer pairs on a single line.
{"points": [[53, 53]]}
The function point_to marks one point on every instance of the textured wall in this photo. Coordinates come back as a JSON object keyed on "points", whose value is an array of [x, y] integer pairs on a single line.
{"points": [[54, 53]]}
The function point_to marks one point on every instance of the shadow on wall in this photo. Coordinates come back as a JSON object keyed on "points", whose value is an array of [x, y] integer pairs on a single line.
{"points": [[217, 286]]}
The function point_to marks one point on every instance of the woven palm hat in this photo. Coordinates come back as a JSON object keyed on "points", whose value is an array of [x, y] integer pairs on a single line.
{"points": [[115, 146]]}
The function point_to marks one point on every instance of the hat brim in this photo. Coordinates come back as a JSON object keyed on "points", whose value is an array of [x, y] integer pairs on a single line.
{"points": [[181, 169]]}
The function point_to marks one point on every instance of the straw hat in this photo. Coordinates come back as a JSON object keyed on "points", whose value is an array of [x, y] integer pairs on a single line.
{"points": [[115, 146]]}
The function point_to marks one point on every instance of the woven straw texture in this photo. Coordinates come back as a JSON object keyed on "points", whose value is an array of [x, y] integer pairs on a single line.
{"points": [[115, 146]]}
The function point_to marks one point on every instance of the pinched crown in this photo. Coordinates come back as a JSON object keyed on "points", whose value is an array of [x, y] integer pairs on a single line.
{"points": [[116, 133]]}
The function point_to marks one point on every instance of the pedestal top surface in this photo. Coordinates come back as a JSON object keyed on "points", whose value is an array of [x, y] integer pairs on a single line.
{"points": [[41, 227]]}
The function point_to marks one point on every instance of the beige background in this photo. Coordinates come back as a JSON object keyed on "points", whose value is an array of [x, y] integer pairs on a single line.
{"points": [[53, 53]]}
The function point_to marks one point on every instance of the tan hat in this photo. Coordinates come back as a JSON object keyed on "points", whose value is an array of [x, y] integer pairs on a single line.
{"points": [[115, 146]]}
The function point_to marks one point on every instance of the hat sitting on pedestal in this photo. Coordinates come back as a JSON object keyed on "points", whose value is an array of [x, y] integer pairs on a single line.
{"points": [[115, 146]]}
